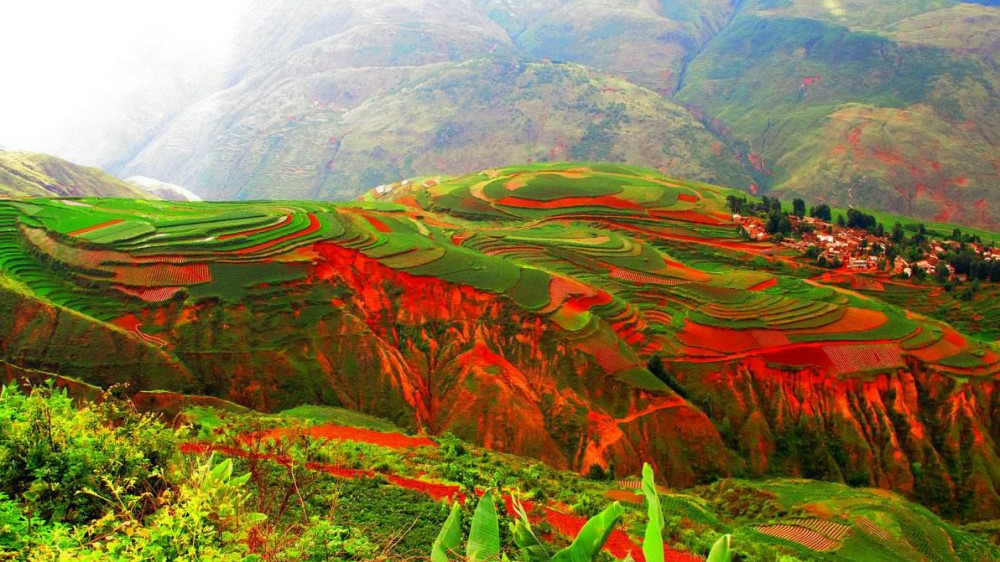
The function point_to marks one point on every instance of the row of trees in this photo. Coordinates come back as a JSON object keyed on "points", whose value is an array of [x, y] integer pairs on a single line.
{"points": [[770, 209]]}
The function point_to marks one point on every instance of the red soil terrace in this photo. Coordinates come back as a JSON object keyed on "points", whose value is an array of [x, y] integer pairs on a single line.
{"points": [[335, 432], [314, 226], [83, 231], [764, 284], [569, 202]]}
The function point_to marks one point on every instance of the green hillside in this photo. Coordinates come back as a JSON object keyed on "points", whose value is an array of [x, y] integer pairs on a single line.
{"points": [[38, 175], [617, 314], [882, 113], [460, 118]]}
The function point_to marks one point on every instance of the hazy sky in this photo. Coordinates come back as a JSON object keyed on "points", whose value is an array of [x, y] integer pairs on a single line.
{"points": [[64, 60]]}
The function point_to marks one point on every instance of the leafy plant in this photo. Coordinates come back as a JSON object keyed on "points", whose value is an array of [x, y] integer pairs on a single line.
{"points": [[652, 544], [484, 538], [70, 464], [720, 551]]}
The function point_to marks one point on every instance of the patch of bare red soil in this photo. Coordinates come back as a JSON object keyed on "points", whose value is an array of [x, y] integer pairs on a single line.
{"points": [[83, 231], [855, 319], [799, 355], [624, 496], [953, 337], [764, 284], [689, 216], [377, 223], [335, 432], [435, 491], [159, 275], [586, 302], [131, 323], [158, 294], [569, 202]]}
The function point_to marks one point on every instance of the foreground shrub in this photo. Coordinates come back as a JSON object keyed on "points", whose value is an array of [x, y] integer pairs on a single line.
{"points": [[69, 465]]}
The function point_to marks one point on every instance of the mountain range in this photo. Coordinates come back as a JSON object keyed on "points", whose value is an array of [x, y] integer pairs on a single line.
{"points": [[851, 102]]}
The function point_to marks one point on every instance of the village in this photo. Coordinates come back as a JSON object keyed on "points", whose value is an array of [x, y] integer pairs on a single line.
{"points": [[861, 251]]}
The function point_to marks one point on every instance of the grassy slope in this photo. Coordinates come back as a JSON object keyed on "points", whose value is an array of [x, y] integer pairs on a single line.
{"points": [[490, 112], [728, 506], [899, 116], [655, 39], [39, 175], [461, 118]]}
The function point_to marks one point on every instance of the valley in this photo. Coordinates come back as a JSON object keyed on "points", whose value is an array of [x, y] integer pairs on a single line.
{"points": [[498, 280], [614, 313]]}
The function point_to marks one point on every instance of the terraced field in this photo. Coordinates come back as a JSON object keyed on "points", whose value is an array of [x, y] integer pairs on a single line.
{"points": [[519, 280], [578, 243]]}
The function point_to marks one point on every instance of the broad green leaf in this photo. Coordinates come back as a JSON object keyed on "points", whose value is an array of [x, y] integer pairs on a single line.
{"points": [[449, 538], [524, 536], [254, 518], [720, 552], [221, 472], [484, 536], [652, 543], [240, 481], [592, 536]]}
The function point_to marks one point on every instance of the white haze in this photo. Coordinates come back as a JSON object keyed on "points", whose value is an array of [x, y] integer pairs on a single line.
{"points": [[73, 71]]}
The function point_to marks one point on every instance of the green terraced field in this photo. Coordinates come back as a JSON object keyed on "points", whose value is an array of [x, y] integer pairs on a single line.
{"points": [[288, 296]]}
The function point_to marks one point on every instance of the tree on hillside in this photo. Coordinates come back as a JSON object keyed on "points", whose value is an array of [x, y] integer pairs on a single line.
{"points": [[897, 234], [655, 366], [941, 272], [798, 207], [858, 219], [821, 212]]}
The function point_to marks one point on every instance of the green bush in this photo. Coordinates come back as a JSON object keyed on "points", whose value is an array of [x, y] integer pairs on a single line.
{"points": [[97, 481], [69, 465]]}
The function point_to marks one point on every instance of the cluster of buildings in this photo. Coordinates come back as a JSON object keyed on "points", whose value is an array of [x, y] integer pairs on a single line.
{"points": [[857, 249]]}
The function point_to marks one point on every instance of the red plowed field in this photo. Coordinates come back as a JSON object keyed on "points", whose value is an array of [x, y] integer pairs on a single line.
{"points": [[83, 231], [344, 433], [569, 202]]}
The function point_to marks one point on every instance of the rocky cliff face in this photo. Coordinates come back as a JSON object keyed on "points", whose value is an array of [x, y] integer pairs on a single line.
{"points": [[914, 431], [426, 353]]}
